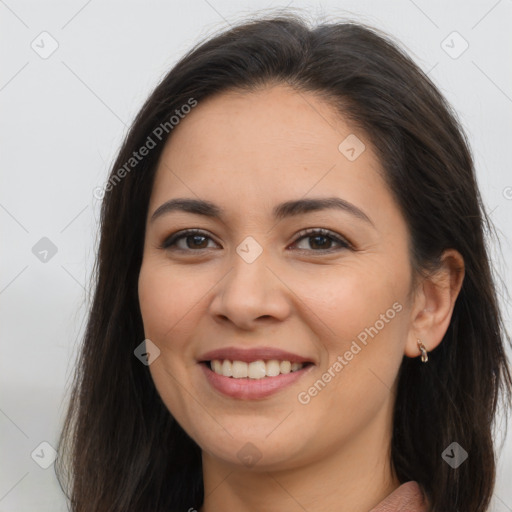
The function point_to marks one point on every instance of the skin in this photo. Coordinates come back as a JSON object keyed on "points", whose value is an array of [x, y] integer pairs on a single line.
{"points": [[247, 152]]}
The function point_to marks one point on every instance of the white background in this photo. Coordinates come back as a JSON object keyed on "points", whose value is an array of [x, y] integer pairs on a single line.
{"points": [[62, 121]]}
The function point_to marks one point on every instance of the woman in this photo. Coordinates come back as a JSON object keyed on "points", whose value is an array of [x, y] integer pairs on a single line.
{"points": [[293, 307]]}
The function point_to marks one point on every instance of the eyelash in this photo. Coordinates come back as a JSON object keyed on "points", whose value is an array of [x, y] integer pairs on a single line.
{"points": [[306, 233]]}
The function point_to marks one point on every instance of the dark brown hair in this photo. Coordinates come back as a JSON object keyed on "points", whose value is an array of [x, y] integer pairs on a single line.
{"points": [[121, 449]]}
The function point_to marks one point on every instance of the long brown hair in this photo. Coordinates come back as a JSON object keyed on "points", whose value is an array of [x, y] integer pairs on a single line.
{"points": [[121, 449]]}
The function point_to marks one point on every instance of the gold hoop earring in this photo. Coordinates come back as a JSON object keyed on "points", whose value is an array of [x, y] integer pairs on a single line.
{"points": [[423, 350]]}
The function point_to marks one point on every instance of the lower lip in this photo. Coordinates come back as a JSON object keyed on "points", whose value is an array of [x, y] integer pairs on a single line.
{"points": [[252, 389]]}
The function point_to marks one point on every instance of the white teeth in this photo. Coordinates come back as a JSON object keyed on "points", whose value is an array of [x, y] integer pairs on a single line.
{"points": [[285, 367], [296, 366], [257, 369], [240, 369], [254, 370], [226, 369], [273, 368]]}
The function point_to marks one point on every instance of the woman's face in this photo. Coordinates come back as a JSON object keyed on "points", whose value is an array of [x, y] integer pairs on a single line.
{"points": [[253, 287]]}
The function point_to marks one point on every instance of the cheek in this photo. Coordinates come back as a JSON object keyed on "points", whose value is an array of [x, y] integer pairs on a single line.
{"points": [[167, 301], [362, 319], [348, 300]]}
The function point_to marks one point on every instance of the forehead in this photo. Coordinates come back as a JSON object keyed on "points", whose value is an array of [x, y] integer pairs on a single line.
{"points": [[267, 145], [287, 123]]}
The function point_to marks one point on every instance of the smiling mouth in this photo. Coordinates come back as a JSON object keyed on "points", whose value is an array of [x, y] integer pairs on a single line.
{"points": [[259, 369]]}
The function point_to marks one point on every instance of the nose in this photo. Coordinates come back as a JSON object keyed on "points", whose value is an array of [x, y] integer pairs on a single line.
{"points": [[251, 294]]}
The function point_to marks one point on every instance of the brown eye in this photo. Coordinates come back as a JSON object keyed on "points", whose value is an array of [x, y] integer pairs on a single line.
{"points": [[194, 240], [322, 240]]}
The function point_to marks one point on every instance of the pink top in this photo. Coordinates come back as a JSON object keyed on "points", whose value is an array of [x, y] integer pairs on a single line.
{"points": [[406, 498]]}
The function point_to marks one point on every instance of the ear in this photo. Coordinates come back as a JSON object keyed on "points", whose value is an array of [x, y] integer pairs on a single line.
{"points": [[433, 303]]}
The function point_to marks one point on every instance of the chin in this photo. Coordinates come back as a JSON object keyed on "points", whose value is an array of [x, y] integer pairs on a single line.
{"points": [[254, 448]]}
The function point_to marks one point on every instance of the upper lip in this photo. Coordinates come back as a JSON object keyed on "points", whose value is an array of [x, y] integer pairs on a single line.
{"points": [[252, 354]]}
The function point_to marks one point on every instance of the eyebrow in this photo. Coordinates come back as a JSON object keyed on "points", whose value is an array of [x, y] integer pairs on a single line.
{"points": [[281, 211]]}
